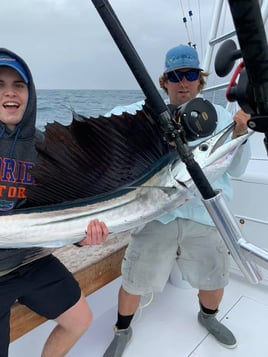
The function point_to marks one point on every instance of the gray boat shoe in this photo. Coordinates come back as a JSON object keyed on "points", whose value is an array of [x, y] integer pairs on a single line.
{"points": [[222, 334], [119, 342]]}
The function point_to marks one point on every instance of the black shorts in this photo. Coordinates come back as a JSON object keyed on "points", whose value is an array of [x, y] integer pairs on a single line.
{"points": [[46, 286]]}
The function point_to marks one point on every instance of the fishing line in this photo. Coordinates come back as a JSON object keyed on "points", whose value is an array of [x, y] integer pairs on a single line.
{"points": [[137, 317], [179, 80]]}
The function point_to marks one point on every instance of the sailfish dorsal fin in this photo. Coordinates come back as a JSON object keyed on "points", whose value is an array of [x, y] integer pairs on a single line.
{"points": [[92, 156]]}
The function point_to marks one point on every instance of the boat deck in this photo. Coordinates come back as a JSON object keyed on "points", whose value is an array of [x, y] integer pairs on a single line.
{"points": [[168, 325]]}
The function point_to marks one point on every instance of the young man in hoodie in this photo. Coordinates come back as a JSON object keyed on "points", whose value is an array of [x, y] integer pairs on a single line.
{"points": [[33, 276], [186, 235]]}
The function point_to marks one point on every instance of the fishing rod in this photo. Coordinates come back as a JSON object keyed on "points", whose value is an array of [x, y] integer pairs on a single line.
{"points": [[151, 93], [254, 50], [213, 201]]}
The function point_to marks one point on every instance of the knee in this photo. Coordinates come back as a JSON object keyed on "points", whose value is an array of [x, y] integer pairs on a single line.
{"points": [[85, 318], [123, 294], [77, 319], [81, 322]]}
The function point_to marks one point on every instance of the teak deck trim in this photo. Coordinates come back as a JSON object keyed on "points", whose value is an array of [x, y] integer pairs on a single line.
{"points": [[91, 277]]}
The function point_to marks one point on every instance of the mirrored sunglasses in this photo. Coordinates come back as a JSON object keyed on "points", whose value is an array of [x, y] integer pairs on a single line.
{"points": [[177, 76]]}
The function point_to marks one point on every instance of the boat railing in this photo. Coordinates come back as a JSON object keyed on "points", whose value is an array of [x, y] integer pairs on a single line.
{"points": [[245, 254], [215, 87]]}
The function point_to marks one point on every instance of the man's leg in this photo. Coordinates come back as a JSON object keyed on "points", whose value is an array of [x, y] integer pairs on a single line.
{"points": [[145, 268], [53, 292], [209, 302], [4, 334], [204, 263], [127, 303], [210, 298], [127, 306], [10, 288], [71, 325]]}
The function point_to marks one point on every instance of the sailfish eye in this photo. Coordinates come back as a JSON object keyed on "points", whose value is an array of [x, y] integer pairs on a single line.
{"points": [[203, 147]]}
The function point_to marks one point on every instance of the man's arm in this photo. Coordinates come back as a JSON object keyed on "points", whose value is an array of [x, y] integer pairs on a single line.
{"points": [[241, 159]]}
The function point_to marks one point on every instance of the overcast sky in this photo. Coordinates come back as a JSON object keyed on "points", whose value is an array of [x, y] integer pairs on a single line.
{"points": [[67, 45]]}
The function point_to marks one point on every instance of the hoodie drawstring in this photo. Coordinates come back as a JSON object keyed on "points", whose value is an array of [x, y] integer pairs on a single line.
{"points": [[12, 149], [3, 131]]}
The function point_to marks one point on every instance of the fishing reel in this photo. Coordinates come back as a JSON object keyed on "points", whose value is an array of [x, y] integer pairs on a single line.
{"points": [[195, 119], [239, 88]]}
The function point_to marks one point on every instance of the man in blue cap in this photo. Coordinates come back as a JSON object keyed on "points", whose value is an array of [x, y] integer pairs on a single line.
{"points": [[33, 276], [187, 235]]}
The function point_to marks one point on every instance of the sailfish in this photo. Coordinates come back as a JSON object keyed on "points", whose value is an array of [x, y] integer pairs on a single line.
{"points": [[119, 169]]}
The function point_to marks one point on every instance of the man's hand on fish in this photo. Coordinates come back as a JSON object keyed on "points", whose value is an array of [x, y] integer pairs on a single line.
{"points": [[241, 118], [96, 233]]}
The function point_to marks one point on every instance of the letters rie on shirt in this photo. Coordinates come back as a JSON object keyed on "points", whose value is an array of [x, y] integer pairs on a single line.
{"points": [[15, 172]]}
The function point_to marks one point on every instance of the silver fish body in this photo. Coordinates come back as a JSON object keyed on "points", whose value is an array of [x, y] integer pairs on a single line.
{"points": [[171, 187]]}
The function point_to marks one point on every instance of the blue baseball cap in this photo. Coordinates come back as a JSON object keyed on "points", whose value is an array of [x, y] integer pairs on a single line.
{"points": [[182, 56], [6, 60]]}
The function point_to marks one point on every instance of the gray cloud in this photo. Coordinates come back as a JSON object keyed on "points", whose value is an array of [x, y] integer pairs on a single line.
{"points": [[67, 45]]}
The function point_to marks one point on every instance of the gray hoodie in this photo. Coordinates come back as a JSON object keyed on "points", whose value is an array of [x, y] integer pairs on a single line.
{"points": [[18, 155]]}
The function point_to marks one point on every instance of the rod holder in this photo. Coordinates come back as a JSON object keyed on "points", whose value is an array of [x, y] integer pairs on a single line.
{"points": [[231, 234]]}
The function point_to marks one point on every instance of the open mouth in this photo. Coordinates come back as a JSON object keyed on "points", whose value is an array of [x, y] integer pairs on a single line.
{"points": [[11, 105]]}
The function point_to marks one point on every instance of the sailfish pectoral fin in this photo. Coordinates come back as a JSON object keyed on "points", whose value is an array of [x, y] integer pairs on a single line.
{"points": [[222, 136]]}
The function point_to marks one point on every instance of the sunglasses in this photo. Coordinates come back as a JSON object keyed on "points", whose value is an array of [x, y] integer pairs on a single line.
{"points": [[177, 76]]}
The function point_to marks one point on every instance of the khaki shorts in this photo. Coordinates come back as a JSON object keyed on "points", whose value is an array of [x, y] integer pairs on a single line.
{"points": [[198, 249]]}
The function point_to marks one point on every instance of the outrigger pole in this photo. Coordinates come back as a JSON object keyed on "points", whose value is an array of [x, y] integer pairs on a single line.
{"points": [[214, 202]]}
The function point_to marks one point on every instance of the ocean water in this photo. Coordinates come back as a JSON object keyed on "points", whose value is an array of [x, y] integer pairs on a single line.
{"points": [[57, 105]]}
